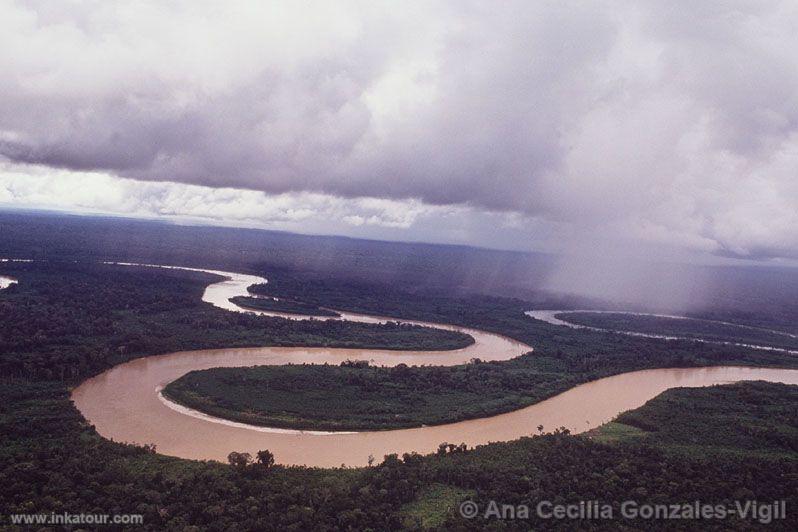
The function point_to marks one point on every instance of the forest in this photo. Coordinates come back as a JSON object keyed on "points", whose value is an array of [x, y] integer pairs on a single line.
{"points": [[504, 315], [692, 328], [750, 419], [756, 295], [67, 321]]}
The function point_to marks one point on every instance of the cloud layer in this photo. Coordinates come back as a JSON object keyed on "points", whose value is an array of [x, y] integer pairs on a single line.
{"points": [[39, 187], [661, 121]]}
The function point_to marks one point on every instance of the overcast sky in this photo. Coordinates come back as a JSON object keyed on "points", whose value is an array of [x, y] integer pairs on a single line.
{"points": [[529, 125]]}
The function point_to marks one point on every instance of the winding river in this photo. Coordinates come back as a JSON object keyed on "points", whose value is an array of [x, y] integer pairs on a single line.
{"points": [[560, 317], [124, 403]]}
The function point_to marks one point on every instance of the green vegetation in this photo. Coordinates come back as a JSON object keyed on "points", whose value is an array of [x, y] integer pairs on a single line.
{"points": [[359, 397], [433, 505], [764, 295], [66, 321], [751, 418], [282, 305], [352, 398], [614, 432], [356, 396], [600, 353], [691, 328]]}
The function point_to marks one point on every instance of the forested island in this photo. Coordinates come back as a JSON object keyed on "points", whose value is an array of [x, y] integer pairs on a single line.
{"points": [[282, 305], [357, 396]]}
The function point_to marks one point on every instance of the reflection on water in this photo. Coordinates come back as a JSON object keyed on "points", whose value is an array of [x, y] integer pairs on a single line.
{"points": [[124, 404]]}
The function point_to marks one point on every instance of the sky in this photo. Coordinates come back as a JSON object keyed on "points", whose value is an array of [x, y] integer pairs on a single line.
{"points": [[608, 127]]}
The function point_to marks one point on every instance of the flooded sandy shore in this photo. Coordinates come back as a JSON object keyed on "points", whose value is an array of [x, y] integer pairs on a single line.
{"points": [[124, 402]]}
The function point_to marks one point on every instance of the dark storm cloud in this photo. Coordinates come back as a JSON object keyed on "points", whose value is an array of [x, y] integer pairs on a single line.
{"points": [[670, 121]]}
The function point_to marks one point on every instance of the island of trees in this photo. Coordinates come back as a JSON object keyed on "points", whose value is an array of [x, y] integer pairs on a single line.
{"points": [[282, 305]]}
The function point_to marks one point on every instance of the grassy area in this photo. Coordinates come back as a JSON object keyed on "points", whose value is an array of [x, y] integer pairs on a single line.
{"points": [[614, 432], [433, 505]]}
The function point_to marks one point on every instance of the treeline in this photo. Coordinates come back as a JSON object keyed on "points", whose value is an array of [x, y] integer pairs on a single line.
{"points": [[66, 321]]}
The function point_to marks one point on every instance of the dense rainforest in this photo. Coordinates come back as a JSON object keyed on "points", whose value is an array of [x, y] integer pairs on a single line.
{"points": [[743, 419], [64, 322], [501, 315]]}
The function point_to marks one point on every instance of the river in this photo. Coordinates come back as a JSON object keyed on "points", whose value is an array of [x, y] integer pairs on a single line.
{"points": [[560, 317], [124, 403]]}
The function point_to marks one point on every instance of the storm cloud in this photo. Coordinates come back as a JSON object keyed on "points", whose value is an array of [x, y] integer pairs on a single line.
{"points": [[667, 122]]}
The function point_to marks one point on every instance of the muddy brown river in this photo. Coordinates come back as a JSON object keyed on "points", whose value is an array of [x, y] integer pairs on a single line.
{"points": [[125, 404]]}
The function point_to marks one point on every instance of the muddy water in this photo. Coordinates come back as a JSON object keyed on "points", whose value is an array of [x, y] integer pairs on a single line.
{"points": [[124, 403]]}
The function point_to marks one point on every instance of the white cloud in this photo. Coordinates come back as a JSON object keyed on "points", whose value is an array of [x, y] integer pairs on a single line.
{"points": [[41, 187], [676, 125]]}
